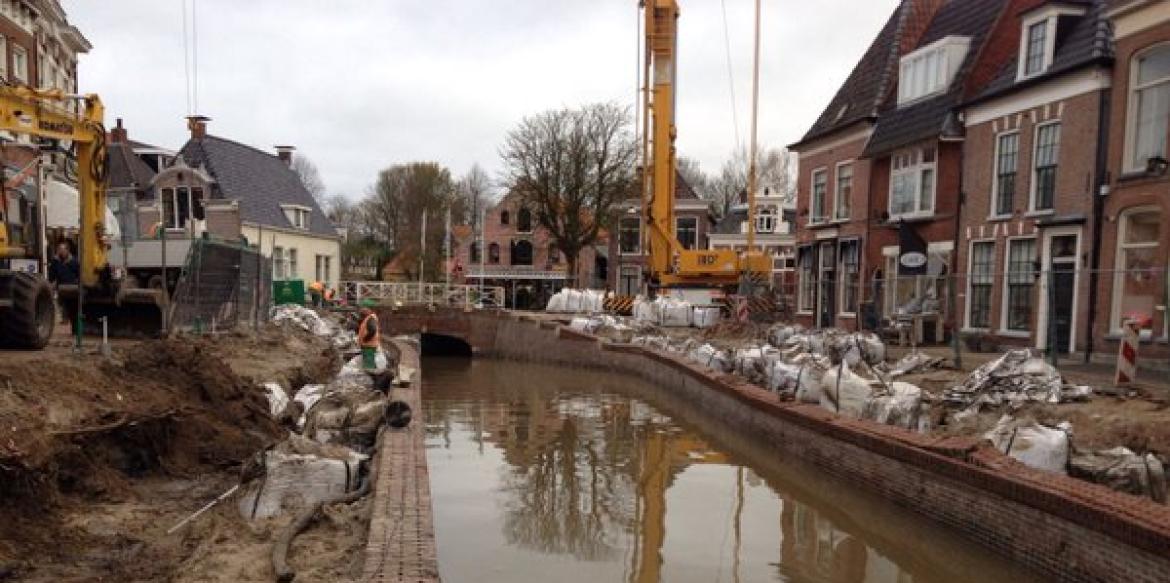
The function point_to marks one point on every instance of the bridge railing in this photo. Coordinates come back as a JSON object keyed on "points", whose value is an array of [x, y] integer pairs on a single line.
{"points": [[426, 294]]}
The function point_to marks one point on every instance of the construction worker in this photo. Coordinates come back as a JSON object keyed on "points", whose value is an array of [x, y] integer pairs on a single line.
{"points": [[369, 337], [329, 295], [316, 293]]}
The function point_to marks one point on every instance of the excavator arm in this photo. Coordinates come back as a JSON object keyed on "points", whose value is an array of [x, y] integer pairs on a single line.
{"points": [[47, 114]]}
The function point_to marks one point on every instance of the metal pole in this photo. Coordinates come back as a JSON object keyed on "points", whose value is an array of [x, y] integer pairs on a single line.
{"points": [[166, 295], [482, 249], [752, 162], [259, 276], [422, 256], [447, 258], [1053, 357]]}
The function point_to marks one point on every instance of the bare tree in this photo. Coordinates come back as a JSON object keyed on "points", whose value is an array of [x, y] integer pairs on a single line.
{"points": [[307, 171], [476, 189], [394, 207], [690, 171], [571, 166], [730, 186]]}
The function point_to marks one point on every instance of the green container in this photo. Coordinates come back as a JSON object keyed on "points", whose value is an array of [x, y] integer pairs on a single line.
{"points": [[289, 291]]}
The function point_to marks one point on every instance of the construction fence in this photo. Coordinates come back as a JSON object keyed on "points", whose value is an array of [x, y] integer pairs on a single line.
{"points": [[223, 285], [1064, 311]]}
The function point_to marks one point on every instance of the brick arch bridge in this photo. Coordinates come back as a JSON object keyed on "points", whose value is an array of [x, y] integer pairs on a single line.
{"points": [[476, 328]]}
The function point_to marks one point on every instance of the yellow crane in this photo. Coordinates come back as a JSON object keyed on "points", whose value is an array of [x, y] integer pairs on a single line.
{"points": [[26, 303], [669, 263]]}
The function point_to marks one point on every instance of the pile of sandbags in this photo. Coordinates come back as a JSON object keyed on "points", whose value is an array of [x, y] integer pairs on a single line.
{"points": [[801, 377], [710, 357], [572, 301], [898, 404], [312, 322], [296, 474], [706, 316], [1034, 445], [1014, 378]]}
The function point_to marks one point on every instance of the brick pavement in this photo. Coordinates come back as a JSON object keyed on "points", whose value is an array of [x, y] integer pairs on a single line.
{"points": [[401, 543]]}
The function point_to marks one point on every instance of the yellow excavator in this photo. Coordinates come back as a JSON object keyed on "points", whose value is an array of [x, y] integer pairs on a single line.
{"points": [[26, 300], [671, 266]]}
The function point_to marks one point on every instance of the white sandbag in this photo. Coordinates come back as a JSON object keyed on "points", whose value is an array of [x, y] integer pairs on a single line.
{"points": [[304, 318], [349, 417], [1034, 445], [900, 405], [844, 392], [354, 366], [1123, 470], [710, 357], [295, 481], [645, 310], [277, 398], [556, 303], [307, 396], [675, 313], [585, 325], [705, 317]]}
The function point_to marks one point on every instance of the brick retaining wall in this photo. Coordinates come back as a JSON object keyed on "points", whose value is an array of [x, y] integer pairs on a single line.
{"points": [[1064, 528]]}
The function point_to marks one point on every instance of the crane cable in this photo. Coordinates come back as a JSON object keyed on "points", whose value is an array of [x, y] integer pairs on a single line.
{"points": [[191, 56], [730, 73]]}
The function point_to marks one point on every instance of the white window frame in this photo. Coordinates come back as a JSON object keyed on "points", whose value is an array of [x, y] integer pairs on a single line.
{"points": [[1050, 15], [3, 57], [1131, 113], [1119, 265], [765, 221], [801, 283], [299, 216], [695, 222], [946, 54], [813, 219], [842, 284], [967, 326], [293, 267], [917, 167], [638, 249], [993, 210], [20, 73], [1045, 313], [1033, 177], [837, 198], [279, 267], [1005, 285]]}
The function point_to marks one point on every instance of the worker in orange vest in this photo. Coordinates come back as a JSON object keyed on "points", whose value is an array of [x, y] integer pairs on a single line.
{"points": [[369, 338], [316, 293]]}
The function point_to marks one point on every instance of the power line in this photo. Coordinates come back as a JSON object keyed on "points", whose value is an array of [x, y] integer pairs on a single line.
{"points": [[194, 57], [186, 57], [730, 73]]}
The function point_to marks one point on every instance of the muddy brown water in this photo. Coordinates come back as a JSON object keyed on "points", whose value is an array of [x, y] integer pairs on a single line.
{"points": [[549, 474]]}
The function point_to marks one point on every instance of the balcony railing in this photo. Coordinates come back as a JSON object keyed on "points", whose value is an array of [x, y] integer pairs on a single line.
{"points": [[422, 294]]}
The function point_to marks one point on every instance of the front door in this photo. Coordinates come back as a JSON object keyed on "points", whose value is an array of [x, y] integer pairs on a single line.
{"points": [[1062, 291], [827, 294]]}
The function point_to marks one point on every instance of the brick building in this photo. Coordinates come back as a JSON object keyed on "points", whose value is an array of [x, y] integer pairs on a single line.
{"points": [[518, 255], [774, 228], [1135, 241], [1032, 162], [693, 223], [833, 182]]}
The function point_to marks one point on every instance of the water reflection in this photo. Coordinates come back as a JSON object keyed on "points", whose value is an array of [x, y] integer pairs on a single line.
{"points": [[546, 474]]}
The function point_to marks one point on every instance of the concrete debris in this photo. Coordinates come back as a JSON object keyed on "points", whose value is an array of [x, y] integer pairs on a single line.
{"points": [[312, 322], [1033, 444], [1123, 470], [296, 474], [1014, 378], [572, 301], [277, 398]]}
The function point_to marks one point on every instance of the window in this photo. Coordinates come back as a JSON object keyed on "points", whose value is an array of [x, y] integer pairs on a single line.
{"points": [[928, 71], [686, 230], [494, 254], [298, 216], [912, 182], [3, 57], [820, 183], [554, 254], [521, 253], [1021, 279], [766, 221], [20, 64], [279, 268], [1139, 280], [827, 278], [293, 271], [1047, 154], [850, 275], [629, 280], [844, 190], [524, 221], [180, 205], [808, 282], [1036, 49], [473, 252], [504, 217], [1007, 156], [630, 236], [322, 267], [981, 277], [1149, 117], [917, 293]]}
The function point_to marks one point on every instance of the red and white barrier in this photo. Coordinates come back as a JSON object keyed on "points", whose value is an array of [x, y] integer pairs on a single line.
{"points": [[1127, 353]]}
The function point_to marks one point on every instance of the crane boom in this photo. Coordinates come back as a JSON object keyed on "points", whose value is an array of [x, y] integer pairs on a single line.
{"points": [[669, 263]]}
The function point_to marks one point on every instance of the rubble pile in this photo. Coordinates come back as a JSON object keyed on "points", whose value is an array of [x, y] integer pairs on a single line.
{"points": [[312, 322], [1015, 378]]}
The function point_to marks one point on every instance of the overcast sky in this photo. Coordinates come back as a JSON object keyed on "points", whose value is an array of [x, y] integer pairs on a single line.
{"points": [[358, 85]]}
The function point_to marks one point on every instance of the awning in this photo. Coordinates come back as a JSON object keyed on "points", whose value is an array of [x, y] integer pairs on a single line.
{"points": [[912, 258]]}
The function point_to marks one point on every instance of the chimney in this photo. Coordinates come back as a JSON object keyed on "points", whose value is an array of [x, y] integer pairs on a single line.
{"points": [[198, 126], [118, 134], [285, 154]]}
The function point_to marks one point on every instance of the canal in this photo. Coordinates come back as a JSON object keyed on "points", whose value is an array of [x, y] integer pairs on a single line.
{"points": [[549, 474]]}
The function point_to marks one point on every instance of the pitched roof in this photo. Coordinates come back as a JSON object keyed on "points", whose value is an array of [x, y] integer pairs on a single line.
{"points": [[862, 93], [260, 181], [1088, 41], [902, 126], [127, 170]]}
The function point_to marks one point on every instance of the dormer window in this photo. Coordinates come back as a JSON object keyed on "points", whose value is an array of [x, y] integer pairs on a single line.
{"points": [[1038, 37], [297, 215], [929, 70]]}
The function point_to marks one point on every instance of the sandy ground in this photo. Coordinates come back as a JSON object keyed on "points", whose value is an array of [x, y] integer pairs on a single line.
{"points": [[99, 457]]}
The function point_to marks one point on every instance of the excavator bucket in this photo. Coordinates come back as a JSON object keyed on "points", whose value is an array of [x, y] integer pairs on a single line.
{"points": [[135, 313]]}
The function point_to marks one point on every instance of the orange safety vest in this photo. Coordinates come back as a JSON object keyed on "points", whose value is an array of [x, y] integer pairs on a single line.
{"points": [[363, 330], [329, 294], [317, 287]]}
